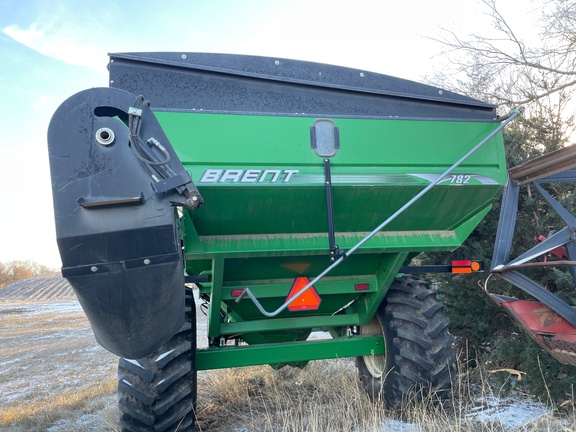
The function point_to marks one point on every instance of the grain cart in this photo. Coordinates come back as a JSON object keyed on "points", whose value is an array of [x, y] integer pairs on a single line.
{"points": [[293, 195]]}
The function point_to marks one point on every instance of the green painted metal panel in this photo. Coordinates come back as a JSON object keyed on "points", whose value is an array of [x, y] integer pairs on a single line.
{"points": [[314, 322], [264, 219], [380, 166], [212, 139], [341, 304], [274, 245], [215, 298], [290, 352], [327, 286]]}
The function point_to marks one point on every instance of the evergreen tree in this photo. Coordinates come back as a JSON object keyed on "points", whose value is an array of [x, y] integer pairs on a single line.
{"points": [[542, 78]]}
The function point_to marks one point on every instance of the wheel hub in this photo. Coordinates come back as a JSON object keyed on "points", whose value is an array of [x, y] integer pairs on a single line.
{"points": [[376, 364]]}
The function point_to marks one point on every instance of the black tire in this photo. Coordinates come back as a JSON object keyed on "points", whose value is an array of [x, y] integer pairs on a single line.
{"points": [[158, 392], [419, 359]]}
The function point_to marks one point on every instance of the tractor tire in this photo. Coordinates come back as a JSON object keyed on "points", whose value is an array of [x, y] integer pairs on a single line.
{"points": [[419, 361], [158, 392]]}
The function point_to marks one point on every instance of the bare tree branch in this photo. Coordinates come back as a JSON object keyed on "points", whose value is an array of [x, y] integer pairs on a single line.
{"points": [[512, 71]]}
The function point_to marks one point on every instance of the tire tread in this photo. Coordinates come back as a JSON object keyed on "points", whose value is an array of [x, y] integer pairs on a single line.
{"points": [[419, 359]]}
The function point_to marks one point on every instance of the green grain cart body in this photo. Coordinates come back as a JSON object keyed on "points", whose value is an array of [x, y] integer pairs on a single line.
{"points": [[241, 128]]}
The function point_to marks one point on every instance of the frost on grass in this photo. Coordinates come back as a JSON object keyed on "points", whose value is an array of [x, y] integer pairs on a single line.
{"points": [[50, 367], [325, 396], [512, 413], [54, 377]]}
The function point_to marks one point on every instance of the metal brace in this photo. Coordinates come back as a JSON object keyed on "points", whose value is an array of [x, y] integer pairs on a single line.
{"points": [[506, 119]]}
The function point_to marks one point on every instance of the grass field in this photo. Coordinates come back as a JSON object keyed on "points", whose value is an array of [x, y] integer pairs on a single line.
{"points": [[54, 377], [52, 369]]}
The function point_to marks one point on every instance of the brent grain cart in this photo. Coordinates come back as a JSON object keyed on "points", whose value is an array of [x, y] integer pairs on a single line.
{"points": [[293, 195]]}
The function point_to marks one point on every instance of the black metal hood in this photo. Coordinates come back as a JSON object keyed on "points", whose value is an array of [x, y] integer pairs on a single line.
{"points": [[251, 84]]}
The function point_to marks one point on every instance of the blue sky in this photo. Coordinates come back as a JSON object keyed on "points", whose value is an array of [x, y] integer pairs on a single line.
{"points": [[50, 50]]}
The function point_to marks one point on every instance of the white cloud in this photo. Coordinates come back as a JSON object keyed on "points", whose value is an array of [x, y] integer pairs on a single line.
{"points": [[64, 44], [27, 229]]}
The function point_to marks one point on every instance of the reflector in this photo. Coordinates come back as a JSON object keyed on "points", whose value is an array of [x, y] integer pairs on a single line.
{"points": [[461, 266], [310, 300]]}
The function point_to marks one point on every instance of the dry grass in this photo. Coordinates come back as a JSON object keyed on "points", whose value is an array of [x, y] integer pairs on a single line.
{"points": [[51, 370], [326, 396], [46, 412], [322, 397], [54, 377]]}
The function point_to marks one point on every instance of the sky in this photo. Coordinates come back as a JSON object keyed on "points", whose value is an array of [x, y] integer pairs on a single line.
{"points": [[50, 50]]}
